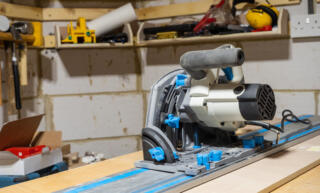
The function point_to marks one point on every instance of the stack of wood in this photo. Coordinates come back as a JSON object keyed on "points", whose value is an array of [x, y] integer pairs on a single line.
{"points": [[70, 158]]}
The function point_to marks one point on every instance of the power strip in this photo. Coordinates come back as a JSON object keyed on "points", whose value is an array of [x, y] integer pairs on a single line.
{"points": [[305, 26]]}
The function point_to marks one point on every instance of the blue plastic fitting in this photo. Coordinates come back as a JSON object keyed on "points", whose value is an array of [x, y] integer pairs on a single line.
{"points": [[205, 161], [200, 159], [228, 72], [215, 155], [172, 121], [249, 143], [180, 80], [259, 140], [157, 153], [175, 155], [197, 145]]}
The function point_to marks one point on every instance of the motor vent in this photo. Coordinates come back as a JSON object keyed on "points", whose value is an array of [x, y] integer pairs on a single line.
{"points": [[257, 102], [266, 102]]}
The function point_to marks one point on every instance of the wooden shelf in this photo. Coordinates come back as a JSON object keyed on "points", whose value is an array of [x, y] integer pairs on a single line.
{"points": [[126, 29], [280, 32]]}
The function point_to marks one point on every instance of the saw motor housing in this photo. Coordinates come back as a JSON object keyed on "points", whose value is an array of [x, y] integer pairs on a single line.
{"points": [[195, 106]]}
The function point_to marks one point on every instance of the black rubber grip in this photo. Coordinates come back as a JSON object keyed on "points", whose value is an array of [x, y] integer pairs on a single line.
{"points": [[16, 79]]}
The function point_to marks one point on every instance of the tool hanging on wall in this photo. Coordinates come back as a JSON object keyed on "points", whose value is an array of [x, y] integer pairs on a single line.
{"points": [[16, 38], [16, 29], [16, 77]]}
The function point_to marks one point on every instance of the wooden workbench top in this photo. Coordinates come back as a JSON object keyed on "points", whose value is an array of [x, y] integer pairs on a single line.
{"points": [[265, 175]]}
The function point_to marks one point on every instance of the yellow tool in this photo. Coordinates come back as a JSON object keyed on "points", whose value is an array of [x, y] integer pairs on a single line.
{"points": [[167, 35], [81, 34], [263, 15], [37, 34]]}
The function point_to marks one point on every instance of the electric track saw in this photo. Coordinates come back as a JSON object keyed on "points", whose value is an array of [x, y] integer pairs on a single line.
{"points": [[193, 114]]}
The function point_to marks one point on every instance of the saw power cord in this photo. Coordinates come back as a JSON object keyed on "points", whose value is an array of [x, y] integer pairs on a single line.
{"points": [[287, 116]]}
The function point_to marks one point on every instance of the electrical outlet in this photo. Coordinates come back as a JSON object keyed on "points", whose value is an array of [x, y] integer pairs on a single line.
{"points": [[305, 26]]}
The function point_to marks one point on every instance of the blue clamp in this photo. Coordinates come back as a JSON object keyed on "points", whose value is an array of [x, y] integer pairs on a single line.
{"points": [[200, 159], [228, 72], [203, 160], [172, 121], [180, 80], [157, 153], [175, 155], [215, 155], [259, 140], [249, 143], [206, 161]]}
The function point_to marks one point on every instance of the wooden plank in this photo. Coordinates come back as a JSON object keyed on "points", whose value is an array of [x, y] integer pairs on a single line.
{"points": [[66, 149], [307, 182], [20, 11], [76, 176], [11, 109], [23, 66], [49, 41], [268, 173], [264, 175], [157, 12], [67, 14]]}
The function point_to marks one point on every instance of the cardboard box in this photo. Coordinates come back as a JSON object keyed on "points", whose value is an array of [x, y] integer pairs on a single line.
{"points": [[21, 133]]}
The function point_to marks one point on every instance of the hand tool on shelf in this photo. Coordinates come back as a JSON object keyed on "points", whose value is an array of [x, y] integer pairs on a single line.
{"points": [[114, 38], [80, 34], [178, 29], [210, 16]]}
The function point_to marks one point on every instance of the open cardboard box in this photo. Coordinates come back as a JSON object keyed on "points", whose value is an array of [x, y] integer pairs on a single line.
{"points": [[22, 133]]}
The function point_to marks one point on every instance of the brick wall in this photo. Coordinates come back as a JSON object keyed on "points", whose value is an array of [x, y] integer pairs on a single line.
{"points": [[98, 97]]}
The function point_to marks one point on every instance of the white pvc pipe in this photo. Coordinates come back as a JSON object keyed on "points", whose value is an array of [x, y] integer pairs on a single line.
{"points": [[113, 19], [4, 23]]}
